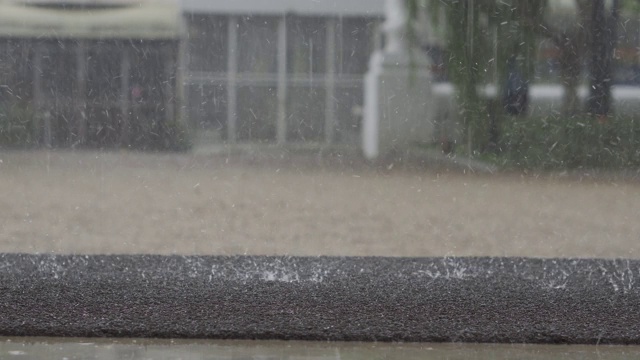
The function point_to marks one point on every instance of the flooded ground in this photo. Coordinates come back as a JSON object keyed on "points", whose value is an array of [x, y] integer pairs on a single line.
{"points": [[134, 349], [127, 202]]}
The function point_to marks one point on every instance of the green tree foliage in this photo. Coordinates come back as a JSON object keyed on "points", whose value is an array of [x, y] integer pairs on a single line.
{"points": [[602, 35], [570, 38], [480, 36]]}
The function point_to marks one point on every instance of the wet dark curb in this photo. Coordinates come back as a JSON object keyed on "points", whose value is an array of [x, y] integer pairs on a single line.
{"points": [[586, 301]]}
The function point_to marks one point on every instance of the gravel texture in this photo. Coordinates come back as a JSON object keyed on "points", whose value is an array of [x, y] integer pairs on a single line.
{"points": [[509, 300]]}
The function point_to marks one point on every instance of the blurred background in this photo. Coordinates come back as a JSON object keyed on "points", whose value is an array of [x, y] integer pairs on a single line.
{"points": [[209, 127]]}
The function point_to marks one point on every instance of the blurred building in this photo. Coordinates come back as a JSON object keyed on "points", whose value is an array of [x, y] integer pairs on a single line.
{"points": [[97, 73], [109, 72], [278, 71]]}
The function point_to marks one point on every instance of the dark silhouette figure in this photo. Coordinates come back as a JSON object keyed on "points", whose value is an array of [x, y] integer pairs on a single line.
{"points": [[516, 91]]}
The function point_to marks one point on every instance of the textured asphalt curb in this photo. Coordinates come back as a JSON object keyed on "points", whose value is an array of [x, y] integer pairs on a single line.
{"points": [[586, 301]]}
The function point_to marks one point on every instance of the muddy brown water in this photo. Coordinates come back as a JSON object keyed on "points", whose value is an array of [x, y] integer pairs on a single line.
{"points": [[127, 202]]}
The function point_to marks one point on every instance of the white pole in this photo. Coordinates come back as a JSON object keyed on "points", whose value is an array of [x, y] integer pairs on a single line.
{"points": [[395, 26], [398, 104], [125, 90], [330, 111], [169, 77], [232, 79], [393, 29], [81, 91], [281, 122]]}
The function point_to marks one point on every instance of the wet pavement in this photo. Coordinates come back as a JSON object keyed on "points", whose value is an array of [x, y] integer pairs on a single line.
{"points": [[107, 349]]}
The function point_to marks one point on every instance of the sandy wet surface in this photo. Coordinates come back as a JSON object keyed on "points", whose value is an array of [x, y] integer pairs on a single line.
{"points": [[122, 202]]}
